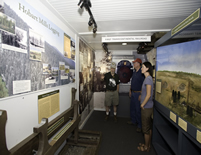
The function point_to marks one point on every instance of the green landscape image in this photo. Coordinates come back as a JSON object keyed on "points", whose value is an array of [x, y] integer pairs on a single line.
{"points": [[189, 86], [178, 76]]}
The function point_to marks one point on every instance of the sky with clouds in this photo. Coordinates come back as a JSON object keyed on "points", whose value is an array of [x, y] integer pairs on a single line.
{"points": [[185, 57]]}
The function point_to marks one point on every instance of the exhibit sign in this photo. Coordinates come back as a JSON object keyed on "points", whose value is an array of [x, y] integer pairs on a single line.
{"points": [[190, 19], [48, 104], [21, 86], [127, 39]]}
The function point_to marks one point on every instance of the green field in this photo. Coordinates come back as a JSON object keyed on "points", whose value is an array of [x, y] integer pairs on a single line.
{"points": [[35, 55], [189, 86]]}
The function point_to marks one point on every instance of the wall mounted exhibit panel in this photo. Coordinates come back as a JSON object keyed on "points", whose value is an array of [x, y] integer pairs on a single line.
{"points": [[86, 79], [29, 65], [34, 51]]}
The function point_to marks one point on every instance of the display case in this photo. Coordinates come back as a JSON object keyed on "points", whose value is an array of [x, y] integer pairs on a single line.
{"points": [[177, 110]]}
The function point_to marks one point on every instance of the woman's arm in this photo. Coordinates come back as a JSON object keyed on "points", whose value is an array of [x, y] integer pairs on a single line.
{"points": [[148, 88]]}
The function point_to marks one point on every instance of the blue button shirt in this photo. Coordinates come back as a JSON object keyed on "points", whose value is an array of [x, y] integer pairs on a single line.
{"points": [[137, 80]]}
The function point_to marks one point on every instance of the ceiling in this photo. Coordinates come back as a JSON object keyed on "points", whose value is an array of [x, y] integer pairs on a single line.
{"points": [[122, 18]]}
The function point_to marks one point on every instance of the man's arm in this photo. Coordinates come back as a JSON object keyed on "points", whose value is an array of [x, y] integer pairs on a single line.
{"points": [[118, 88]]}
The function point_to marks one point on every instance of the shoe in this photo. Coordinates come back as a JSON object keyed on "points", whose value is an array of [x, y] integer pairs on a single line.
{"points": [[130, 123], [106, 117], [115, 119], [139, 130], [143, 148]]}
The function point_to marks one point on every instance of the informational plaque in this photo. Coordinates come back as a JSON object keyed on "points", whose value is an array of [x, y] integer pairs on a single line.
{"points": [[48, 105], [158, 87], [21, 86], [67, 46], [198, 136], [173, 117], [182, 124]]}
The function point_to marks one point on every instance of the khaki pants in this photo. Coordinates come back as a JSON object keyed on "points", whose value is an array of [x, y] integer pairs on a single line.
{"points": [[111, 98]]}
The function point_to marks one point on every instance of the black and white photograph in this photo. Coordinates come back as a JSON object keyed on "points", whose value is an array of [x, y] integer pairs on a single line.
{"points": [[15, 42], [72, 75], [7, 24], [36, 41]]}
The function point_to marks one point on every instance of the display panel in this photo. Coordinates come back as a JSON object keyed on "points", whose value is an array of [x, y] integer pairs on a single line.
{"points": [[178, 71], [31, 51]]}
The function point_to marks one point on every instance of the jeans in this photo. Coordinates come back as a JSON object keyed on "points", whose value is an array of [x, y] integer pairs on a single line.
{"points": [[135, 110]]}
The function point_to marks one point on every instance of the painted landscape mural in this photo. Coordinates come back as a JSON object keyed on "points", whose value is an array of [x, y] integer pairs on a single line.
{"points": [[178, 80]]}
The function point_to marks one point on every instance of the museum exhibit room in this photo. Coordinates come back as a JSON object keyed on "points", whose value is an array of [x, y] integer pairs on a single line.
{"points": [[100, 77]]}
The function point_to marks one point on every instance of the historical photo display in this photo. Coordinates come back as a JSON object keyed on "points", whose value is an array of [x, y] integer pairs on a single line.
{"points": [[7, 23], [15, 42]]}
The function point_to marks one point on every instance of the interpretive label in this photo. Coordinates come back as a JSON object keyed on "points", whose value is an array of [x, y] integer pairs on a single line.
{"points": [[127, 39], [182, 124], [198, 136], [173, 117], [48, 105], [21, 86], [195, 15]]}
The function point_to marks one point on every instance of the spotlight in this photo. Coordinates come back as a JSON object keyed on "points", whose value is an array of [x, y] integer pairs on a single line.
{"points": [[90, 21], [104, 45], [94, 29], [87, 5]]}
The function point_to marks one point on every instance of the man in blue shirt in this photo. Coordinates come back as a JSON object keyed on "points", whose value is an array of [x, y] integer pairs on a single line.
{"points": [[134, 93]]}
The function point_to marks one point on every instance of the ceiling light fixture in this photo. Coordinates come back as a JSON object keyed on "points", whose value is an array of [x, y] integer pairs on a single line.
{"points": [[87, 5], [124, 44]]}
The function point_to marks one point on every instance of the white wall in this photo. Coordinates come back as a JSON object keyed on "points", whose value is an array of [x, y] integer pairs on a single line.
{"points": [[22, 110]]}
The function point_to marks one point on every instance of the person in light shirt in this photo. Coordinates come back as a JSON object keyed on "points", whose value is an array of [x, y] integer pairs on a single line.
{"points": [[146, 102]]}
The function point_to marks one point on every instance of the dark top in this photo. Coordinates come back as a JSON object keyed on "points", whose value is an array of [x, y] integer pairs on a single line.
{"points": [[137, 80], [111, 81]]}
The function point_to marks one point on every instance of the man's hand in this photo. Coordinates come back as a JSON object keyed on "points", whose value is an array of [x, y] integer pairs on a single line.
{"points": [[139, 98], [130, 93], [102, 77]]}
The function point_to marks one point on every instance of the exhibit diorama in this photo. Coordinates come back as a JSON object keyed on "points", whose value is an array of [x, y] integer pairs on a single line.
{"points": [[178, 79]]}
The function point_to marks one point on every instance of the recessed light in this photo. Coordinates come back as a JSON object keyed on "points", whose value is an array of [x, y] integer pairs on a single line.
{"points": [[124, 44]]}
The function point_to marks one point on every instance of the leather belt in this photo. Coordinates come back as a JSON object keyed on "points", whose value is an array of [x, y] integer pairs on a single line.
{"points": [[136, 91], [111, 90]]}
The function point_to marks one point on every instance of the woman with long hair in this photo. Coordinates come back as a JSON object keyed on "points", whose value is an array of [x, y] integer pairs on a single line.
{"points": [[146, 106]]}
